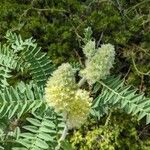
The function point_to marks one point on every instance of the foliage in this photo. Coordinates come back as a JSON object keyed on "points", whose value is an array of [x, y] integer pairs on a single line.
{"points": [[55, 23], [112, 134], [28, 122], [114, 93], [59, 26]]}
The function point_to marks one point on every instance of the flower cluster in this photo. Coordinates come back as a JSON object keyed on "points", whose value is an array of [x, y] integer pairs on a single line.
{"points": [[63, 95], [89, 49], [60, 87], [79, 109], [99, 66]]}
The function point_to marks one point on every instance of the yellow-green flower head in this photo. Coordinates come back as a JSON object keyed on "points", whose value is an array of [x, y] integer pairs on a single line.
{"points": [[61, 87], [79, 109], [99, 66], [63, 95], [89, 49]]}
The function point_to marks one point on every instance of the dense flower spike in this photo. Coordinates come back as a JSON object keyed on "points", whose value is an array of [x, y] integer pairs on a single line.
{"points": [[99, 66], [61, 87], [79, 109], [89, 49], [62, 94]]}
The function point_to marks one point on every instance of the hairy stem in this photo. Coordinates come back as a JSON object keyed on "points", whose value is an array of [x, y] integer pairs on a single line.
{"points": [[64, 134], [62, 138], [81, 82]]}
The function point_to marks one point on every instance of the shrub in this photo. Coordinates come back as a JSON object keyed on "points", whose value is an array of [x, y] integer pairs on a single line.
{"points": [[31, 119]]}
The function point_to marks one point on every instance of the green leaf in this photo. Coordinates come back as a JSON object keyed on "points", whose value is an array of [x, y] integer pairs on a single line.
{"points": [[66, 145]]}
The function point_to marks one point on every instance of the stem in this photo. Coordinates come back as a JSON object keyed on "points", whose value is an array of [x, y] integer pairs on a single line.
{"points": [[81, 82], [108, 119], [62, 138], [137, 70], [64, 134]]}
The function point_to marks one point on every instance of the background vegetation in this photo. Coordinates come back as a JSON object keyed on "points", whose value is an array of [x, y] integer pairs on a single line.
{"points": [[58, 26]]}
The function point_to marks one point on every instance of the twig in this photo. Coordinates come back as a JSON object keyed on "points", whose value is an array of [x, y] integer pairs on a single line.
{"points": [[48, 9], [101, 36], [62, 138], [127, 73], [137, 70], [140, 133], [39, 9], [133, 7], [79, 58], [108, 118], [141, 49], [141, 85]]}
